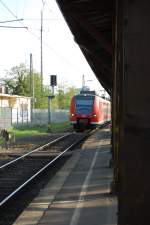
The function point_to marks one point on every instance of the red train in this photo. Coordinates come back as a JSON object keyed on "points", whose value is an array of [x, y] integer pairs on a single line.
{"points": [[89, 110]]}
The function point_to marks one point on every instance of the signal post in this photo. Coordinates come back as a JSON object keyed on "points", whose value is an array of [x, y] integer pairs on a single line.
{"points": [[53, 83]]}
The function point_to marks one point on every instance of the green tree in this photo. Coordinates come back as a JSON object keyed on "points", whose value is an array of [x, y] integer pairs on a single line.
{"points": [[71, 91], [15, 80], [64, 95], [19, 82], [41, 99], [61, 99]]}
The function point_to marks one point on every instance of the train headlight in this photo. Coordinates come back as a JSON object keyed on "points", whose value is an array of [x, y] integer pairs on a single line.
{"points": [[72, 114], [94, 115]]}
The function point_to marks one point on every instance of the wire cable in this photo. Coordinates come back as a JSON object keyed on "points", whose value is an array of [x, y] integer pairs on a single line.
{"points": [[48, 7], [11, 27], [9, 21], [52, 49], [11, 12]]}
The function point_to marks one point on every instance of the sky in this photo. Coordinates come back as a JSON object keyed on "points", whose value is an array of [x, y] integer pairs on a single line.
{"points": [[61, 55]]}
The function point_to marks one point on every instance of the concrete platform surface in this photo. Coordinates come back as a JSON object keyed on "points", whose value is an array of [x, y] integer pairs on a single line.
{"points": [[79, 194]]}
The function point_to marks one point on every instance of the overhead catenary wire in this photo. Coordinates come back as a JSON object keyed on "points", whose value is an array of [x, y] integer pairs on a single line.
{"points": [[48, 7], [44, 19], [33, 34], [9, 21], [12, 27], [11, 12], [5, 6]]}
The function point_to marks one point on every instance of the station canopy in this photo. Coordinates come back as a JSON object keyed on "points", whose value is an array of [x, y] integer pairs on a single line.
{"points": [[91, 23]]}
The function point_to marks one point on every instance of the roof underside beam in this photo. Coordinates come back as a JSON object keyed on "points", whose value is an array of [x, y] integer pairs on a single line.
{"points": [[97, 35], [91, 25]]}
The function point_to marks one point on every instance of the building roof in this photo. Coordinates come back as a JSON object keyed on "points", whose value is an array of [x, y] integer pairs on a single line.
{"points": [[12, 96], [91, 22]]}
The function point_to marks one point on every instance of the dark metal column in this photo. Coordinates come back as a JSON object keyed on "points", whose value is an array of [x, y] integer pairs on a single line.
{"points": [[117, 103], [134, 113]]}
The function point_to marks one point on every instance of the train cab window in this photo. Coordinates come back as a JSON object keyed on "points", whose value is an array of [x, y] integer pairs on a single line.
{"points": [[84, 104]]}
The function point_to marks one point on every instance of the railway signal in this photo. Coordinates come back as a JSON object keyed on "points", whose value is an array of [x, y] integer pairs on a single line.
{"points": [[53, 83]]}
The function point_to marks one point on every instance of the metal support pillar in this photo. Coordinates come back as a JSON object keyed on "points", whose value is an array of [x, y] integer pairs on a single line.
{"points": [[117, 104], [50, 97], [49, 110], [134, 111]]}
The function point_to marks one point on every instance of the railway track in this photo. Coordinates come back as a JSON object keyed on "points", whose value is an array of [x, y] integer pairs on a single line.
{"points": [[20, 171], [23, 170]]}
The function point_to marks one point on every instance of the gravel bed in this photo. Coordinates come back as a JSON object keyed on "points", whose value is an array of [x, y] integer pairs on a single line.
{"points": [[25, 144]]}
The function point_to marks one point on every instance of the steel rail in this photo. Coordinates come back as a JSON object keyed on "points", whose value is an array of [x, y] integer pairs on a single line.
{"points": [[40, 171], [35, 150]]}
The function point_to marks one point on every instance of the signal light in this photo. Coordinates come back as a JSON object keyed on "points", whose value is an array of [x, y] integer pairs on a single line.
{"points": [[53, 80]]}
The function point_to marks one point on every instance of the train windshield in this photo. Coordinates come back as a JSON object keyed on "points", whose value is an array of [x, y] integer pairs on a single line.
{"points": [[84, 104]]}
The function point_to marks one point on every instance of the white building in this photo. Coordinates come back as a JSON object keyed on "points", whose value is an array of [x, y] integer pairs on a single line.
{"points": [[14, 109]]}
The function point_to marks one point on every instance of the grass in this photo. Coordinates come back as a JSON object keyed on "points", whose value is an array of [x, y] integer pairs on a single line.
{"points": [[25, 131], [28, 131]]}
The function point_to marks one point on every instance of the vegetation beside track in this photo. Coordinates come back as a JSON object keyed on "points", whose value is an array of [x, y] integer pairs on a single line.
{"points": [[28, 130]]}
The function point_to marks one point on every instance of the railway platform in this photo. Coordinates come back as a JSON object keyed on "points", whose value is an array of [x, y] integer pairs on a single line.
{"points": [[79, 194]]}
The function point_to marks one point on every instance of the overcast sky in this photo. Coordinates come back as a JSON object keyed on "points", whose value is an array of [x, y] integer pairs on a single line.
{"points": [[61, 55]]}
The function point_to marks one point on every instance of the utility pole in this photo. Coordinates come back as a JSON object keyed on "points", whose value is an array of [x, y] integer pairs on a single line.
{"points": [[31, 74], [31, 84], [83, 82], [31, 77], [42, 10], [41, 51]]}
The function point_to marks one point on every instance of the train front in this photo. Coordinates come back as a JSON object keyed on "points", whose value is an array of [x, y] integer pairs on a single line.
{"points": [[81, 111]]}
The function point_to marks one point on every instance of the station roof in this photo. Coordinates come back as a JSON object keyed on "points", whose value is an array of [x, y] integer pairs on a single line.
{"points": [[91, 23]]}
